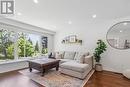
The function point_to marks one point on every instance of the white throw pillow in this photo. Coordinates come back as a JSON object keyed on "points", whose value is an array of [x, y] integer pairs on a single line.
{"points": [[69, 55], [79, 58], [79, 54]]}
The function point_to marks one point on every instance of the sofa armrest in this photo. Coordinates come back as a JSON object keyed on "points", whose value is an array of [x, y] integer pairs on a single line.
{"points": [[89, 60]]}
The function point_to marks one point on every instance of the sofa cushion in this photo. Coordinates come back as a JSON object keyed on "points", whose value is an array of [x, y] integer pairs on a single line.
{"points": [[59, 55], [69, 55], [75, 66], [79, 57]]}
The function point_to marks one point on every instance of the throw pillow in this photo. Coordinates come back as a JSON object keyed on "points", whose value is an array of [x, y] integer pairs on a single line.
{"points": [[78, 54], [58, 55], [79, 57], [69, 55], [87, 59]]}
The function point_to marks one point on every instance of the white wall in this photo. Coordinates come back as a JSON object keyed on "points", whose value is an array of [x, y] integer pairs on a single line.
{"points": [[112, 60]]}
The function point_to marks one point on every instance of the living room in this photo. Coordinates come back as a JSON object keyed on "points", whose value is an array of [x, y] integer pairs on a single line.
{"points": [[80, 38]]}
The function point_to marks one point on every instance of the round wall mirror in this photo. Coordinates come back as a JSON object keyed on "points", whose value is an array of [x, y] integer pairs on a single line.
{"points": [[118, 36]]}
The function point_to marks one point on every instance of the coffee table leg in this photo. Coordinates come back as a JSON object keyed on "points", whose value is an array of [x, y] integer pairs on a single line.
{"points": [[42, 72], [57, 67], [30, 69]]}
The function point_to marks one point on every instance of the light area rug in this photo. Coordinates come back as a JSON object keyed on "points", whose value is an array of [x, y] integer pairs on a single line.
{"points": [[53, 78]]}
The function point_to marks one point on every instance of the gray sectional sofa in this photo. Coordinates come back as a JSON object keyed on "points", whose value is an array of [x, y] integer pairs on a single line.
{"points": [[77, 64]]}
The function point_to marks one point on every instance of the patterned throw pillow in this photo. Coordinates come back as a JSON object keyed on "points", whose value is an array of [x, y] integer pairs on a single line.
{"points": [[80, 56]]}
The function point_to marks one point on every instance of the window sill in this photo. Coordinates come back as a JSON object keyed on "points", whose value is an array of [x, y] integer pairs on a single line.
{"points": [[23, 59], [13, 61]]}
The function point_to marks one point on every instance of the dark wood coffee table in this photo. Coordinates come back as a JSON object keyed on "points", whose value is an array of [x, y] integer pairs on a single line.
{"points": [[43, 64]]}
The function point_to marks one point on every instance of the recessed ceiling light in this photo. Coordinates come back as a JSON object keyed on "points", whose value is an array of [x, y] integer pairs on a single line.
{"points": [[35, 1], [120, 31], [19, 13], [69, 22], [94, 16], [125, 23]]}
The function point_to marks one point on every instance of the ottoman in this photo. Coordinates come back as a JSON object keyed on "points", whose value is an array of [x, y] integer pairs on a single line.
{"points": [[75, 69]]}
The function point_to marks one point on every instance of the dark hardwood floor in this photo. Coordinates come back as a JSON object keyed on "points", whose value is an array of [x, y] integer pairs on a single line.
{"points": [[107, 79], [99, 79]]}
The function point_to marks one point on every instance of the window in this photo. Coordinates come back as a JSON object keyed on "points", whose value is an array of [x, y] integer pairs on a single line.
{"points": [[28, 45], [6, 44], [44, 45], [36, 40], [14, 45]]}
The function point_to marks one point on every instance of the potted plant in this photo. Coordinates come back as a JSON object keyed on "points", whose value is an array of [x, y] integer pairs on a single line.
{"points": [[101, 47]]}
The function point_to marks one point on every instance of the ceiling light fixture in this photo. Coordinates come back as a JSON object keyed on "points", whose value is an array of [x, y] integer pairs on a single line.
{"points": [[94, 16], [35, 1], [120, 31], [69, 22]]}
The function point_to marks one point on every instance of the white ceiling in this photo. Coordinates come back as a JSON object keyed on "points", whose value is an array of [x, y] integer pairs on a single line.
{"points": [[52, 14]]}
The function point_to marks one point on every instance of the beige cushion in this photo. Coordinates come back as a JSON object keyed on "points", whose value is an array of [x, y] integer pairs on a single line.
{"points": [[74, 66], [88, 59], [58, 56], [69, 55]]}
